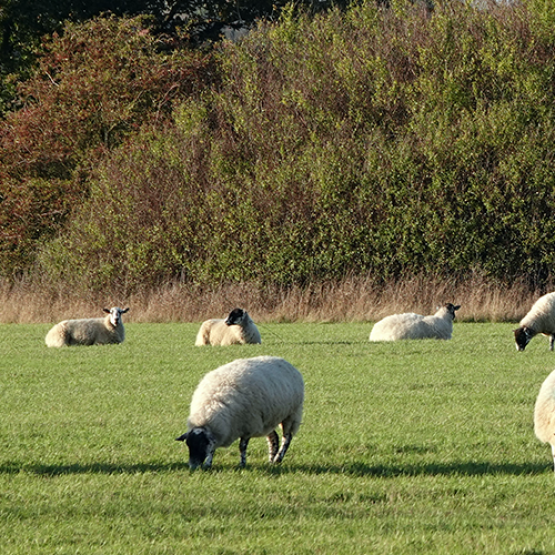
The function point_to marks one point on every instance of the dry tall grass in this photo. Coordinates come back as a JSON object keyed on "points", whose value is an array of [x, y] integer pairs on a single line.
{"points": [[354, 299]]}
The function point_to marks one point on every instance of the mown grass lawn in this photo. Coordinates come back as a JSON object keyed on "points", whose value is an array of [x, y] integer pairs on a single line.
{"points": [[411, 447]]}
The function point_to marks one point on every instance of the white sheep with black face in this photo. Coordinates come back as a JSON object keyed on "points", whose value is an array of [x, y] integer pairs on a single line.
{"points": [[237, 329], [89, 331], [243, 399], [540, 319], [415, 326]]}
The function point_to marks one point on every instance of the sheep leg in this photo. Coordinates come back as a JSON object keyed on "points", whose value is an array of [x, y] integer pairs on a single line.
{"points": [[553, 452], [243, 450], [551, 341], [273, 444], [284, 446]]}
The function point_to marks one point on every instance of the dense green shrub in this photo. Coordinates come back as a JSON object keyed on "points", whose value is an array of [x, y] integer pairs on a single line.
{"points": [[390, 141], [141, 219]]}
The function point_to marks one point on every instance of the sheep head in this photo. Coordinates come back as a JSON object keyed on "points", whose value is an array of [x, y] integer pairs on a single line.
{"points": [[115, 314], [201, 446], [235, 317], [451, 308], [523, 336]]}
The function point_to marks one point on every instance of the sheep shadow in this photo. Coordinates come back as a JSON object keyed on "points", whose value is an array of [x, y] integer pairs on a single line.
{"points": [[52, 470], [466, 468], [361, 469]]}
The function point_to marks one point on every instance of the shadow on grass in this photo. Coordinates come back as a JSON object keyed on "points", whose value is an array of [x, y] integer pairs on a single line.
{"points": [[425, 469], [350, 469], [92, 468]]}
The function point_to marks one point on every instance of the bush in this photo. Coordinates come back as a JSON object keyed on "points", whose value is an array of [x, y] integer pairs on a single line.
{"points": [[390, 141]]}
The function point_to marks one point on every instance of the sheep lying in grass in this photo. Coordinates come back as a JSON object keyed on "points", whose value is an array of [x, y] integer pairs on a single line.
{"points": [[544, 413], [415, 326], [90, 331], [243, 399], [238, 328], [540, 319]]}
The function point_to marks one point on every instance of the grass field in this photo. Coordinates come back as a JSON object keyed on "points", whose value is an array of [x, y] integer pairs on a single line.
{"points": [[406, 448]]}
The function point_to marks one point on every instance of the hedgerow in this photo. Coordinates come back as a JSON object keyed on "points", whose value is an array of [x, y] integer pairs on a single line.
{"points": [[391, 140]]}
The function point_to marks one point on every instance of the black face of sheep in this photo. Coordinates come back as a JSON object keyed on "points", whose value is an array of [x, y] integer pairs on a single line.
{"points": [[200, 447], [451, 308], [235, 317], [522, 338]]}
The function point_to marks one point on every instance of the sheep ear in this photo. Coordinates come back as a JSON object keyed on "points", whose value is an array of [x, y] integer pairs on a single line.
{"points": [[124, 311], [456, 307], [183, 437], [106, 310]]}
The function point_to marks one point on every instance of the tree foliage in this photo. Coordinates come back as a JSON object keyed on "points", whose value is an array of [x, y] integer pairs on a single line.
{"points": [[23, 23], [390, 141], [95, 84]]}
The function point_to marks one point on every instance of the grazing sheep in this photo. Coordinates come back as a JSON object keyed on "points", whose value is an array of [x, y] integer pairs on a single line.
{"points": [[544, 413], [540, 319], [243, 399], [415, 326], [89, 331], [238, 328]]}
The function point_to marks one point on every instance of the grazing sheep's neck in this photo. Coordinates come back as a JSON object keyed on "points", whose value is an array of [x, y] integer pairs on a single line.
{"points": [[530, 332]]}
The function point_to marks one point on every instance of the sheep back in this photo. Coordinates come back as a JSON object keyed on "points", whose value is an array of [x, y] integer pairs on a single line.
{"points": [[248, 398], [541, 317], [396, 326], [74, 332], [415, 326], [544, 411], [237, 329]]}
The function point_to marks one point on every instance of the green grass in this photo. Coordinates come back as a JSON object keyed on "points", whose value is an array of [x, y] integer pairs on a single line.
{"points": [[408, 448]]}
